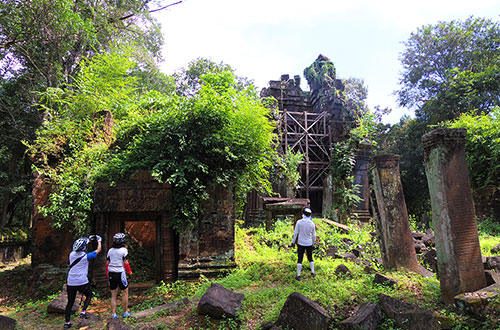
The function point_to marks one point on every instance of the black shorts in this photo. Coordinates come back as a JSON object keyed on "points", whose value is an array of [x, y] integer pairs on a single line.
{"points": [[300, 253], [118, 280]]}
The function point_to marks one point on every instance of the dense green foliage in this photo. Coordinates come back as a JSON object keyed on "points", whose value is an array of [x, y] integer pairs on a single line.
{"points": [[14, 234], [450, 68], [483, 147], [404, 139], [321, 73], [71, 147], [220, 135], [42, 43]]}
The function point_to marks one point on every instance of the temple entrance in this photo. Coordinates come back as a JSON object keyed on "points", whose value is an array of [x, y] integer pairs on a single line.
{"points": [[142, 248], [144, 244]]}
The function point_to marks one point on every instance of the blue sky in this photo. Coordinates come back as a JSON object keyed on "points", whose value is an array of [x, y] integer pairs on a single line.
{"points": [[263, 39]]}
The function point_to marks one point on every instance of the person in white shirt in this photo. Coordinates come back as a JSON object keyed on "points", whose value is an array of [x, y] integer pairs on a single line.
{"points": [[77, 275], [305, 237], [117, 268]]}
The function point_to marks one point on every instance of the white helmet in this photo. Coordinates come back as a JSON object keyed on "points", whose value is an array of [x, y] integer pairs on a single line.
{"points": [[80, 244], [119, 238], [307, 212]]}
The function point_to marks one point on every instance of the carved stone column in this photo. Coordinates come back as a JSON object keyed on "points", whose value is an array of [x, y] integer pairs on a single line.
{"points": [[457, 243], [396, 242], [362, 208]]}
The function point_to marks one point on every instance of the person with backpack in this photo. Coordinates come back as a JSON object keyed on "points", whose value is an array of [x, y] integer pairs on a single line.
{"points": [[78, 275], [117, 269], [305, 237]]}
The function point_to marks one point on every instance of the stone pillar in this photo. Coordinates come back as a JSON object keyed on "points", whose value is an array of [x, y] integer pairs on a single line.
{"points": [[396, 242], [327, 195], [208, 247], [362, 208], [457, 243]]}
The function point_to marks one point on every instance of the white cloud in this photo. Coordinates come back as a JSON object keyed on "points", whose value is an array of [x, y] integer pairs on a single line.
{"points": [[263, 39]]}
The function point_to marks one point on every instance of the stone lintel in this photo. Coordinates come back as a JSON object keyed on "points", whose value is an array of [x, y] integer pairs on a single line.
{"points": [[386, 161]]}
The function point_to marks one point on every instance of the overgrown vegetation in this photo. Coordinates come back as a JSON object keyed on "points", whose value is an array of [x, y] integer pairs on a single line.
{"points": [[220, 134], [483, 146]]}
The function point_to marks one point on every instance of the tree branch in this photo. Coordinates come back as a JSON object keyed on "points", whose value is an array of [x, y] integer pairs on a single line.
{"points": [[152, 11]]}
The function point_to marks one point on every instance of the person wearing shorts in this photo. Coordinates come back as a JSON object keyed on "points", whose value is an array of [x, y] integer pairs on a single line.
{"points": [[117, 268], [305, 237], [78, 276]]}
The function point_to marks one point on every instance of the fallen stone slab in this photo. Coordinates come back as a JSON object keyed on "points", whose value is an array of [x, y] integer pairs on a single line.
{"points": [[300, 312], [410, 316], [172, 306], [7, 323], [474, 302], [218, 302], [368, 317], [344, 228], [58, 305]]}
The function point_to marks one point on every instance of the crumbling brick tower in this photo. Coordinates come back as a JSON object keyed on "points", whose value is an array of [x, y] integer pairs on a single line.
{"points": [[309, 122]]}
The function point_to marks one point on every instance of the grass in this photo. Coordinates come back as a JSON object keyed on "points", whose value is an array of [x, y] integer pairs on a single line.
{"points": [[265, 274]]}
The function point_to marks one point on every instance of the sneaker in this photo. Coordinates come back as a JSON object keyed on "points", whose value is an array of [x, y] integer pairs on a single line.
{"points": [[126, 314], [297, 277], [114, 316], [67, 325], [84, 315], [314, 275]]}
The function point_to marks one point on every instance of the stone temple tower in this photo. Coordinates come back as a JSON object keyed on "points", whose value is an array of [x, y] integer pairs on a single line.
{"points": [[310, 122]]}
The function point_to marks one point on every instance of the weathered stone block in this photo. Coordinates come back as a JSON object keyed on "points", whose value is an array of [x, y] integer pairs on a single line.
{"points": [[474, 302], [58, 305], [343, 270], [300, 312], [6, 323], [218, 302], [408, 316], [368, 317], [385, 280]]}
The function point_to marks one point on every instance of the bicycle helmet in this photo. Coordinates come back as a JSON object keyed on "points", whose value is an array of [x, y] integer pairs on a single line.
{"points": [[119, 238], [80, 244], [307, 211]]}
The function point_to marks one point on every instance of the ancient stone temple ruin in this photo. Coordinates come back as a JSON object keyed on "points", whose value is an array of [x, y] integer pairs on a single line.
{"points": [[310, 122], [141, 208]]}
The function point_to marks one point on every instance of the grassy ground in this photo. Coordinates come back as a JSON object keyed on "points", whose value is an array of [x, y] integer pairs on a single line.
{"points": [[265, 274]]}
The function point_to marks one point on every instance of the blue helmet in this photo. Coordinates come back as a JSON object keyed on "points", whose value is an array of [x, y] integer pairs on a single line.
{"points": [[80, 244], [119, 238]]}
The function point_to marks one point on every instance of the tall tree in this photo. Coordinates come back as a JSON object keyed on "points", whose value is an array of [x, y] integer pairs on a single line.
{"points": [[451, 68], [42, 43]]}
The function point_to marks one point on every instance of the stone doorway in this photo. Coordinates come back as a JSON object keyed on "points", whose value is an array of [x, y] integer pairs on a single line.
{"points": [[152, 245], [142, 231]]}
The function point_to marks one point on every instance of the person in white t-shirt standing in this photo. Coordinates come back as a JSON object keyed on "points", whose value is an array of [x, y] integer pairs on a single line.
{"points": [[78, 275], [305, 237], [117, 268]]}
